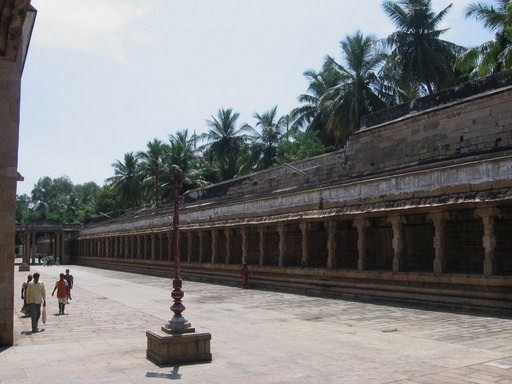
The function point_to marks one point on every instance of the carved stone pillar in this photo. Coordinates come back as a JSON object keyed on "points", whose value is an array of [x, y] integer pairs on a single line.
{"points": [[331, 226], [304, 227], [361, 225], [153, 247], [229, 245], [245, 244], [261, 232], [397, 222], [169, 243], [190, 238], [201, 242], [488, 216], [215, 236], [281, 228], [439, 221], [139, 246], [161, 247]]}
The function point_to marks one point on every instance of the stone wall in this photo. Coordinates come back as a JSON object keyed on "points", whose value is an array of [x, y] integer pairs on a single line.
{"points": [[9, 120], [15, 30]]}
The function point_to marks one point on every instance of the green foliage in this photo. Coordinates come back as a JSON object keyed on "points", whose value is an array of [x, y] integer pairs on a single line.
{"points": [[58, 199], [225, 142], [419, 56], [22, 208], [300, 145], [495, 55]]}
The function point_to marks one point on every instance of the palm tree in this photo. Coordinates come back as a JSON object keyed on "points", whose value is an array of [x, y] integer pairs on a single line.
{"points": [[495, 55], [264, 146], [152, 166], [311, 115], [359, 89], [182, 153], [127, 181], [418, 53], [224, 141]]}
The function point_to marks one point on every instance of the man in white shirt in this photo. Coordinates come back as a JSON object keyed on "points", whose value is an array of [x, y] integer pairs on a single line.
{"points": [[35, 295]]}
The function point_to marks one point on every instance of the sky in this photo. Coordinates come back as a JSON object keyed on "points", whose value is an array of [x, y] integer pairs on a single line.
{"points": [[105, 77]]}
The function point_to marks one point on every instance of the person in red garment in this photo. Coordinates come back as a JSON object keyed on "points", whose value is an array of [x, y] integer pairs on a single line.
{"points": [[245, 275], [62, 292]]}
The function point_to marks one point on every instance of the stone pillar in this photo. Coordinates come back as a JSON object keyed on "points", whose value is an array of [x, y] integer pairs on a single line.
{"points": [[169, 246], [245, 244], [261, 231], [201, 239], [488, 216], [26, 247], [214, 245], [361, 225], [153, 247], [108, 246], [331, 244], [304, 227], [190, 238], [139, 247], [229, 245], [439, 220], [57, 245], [397, 222], [281, 228], [161, 248]]}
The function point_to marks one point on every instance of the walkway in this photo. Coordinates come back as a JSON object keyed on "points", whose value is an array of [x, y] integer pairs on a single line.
{"points": [[257, 337]]}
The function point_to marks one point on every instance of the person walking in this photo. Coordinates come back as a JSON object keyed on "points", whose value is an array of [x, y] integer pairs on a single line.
{"points": [[61, 286], [244, 272], [36, 295], [69, 279], [26, 308]]}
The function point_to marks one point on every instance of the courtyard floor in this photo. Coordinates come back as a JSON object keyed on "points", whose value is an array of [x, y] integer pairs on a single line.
{"points": [[257, 337]]}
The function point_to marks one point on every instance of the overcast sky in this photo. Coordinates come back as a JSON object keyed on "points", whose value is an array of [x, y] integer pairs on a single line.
{"points": [[104, 77]]}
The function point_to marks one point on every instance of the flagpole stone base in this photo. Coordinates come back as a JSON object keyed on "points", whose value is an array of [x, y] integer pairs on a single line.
{"points": [[178, 348]]}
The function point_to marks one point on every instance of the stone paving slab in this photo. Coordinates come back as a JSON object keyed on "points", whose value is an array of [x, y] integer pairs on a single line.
{"points": [[257, 337]]}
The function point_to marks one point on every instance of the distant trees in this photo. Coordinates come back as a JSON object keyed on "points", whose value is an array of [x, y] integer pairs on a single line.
{"points": [[58, 199]]}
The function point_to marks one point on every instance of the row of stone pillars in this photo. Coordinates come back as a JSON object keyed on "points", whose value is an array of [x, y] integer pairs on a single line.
{"points": [[30, 247], [144, 246]]}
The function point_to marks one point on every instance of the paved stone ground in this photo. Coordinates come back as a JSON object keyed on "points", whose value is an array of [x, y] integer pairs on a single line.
{"points": [[257, 337]]}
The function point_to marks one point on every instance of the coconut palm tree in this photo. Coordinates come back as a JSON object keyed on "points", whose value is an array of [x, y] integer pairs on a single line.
{"points": [[310, 115], [418, 53], [225, 141], [182, 152], [268, 131], [359, 89], [127, 181], [495, 55], [152, 166]]}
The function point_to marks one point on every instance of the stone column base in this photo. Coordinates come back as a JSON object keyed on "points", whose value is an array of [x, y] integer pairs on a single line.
{"points": [[24, 267], [164, 349]]}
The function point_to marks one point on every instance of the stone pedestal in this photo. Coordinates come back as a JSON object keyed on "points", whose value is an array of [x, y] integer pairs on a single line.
{"points": [[183, 348], [24, 267]]}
